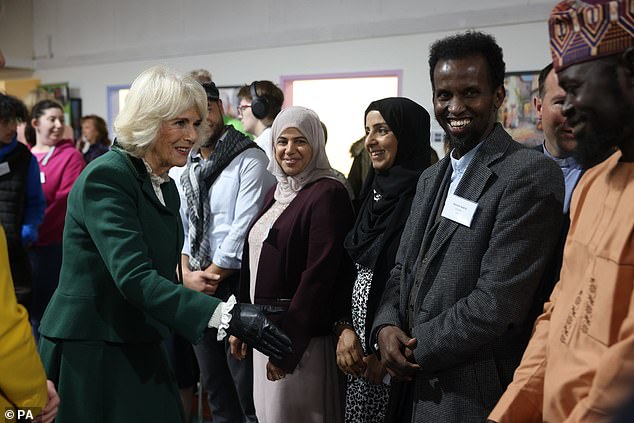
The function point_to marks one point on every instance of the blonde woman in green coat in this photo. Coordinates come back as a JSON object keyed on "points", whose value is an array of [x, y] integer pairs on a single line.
{"points": [[118, 296]]}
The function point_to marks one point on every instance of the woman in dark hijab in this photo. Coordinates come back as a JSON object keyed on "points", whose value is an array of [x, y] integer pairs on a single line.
{"points": [[397, 140]]}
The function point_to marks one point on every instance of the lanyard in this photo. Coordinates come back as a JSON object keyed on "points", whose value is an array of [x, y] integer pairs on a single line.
{"points": [[48, 156]]}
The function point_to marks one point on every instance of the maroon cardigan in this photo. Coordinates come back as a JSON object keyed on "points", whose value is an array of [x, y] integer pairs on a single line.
{"points": [[303, 266]]}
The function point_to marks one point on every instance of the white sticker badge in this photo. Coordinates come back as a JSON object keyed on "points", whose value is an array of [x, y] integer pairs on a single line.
{"points": [[459, 210], [4, 168]]}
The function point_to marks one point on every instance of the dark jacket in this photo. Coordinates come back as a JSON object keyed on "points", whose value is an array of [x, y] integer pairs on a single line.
{"points": [[94, 151], [467, 297], [13, 189], [303, 266]]}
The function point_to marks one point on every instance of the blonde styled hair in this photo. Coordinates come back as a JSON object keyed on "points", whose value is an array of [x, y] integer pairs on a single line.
{"points": [[157, 95]]}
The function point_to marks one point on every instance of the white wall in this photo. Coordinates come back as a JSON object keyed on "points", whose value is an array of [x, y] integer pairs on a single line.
{"points": [[16, 33], [525, 48], [75, 32]]}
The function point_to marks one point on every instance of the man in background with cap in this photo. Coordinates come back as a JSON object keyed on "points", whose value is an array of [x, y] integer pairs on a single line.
{"points": [[579, 364], [222, 188]]}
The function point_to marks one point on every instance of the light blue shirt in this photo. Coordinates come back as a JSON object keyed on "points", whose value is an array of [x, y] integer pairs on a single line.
{"points": [[459, 166], [265, 143], [572, 172], [235, 198]]}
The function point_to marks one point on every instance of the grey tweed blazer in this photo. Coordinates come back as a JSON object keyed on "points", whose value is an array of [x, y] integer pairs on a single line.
{"points": [[468, 297]]}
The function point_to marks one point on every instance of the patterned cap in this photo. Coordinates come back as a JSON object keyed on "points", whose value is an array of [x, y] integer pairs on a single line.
{"points": [[586, 30]]}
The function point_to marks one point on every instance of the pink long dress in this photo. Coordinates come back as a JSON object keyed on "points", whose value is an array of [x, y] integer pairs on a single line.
{"points": [[311, 393]]}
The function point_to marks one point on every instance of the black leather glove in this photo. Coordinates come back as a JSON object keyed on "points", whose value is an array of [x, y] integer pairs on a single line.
{"points": [[249, 324], [269, 310]]}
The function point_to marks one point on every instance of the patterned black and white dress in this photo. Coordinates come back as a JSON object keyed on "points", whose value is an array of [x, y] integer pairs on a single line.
{"points": [[365, 403], [373, 241]]}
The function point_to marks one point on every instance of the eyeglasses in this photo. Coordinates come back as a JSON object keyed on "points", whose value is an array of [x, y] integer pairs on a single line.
{"points": [[242, 108]]}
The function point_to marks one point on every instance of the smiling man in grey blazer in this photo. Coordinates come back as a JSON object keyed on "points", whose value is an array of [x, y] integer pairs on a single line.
{"points": [[458, 309]]}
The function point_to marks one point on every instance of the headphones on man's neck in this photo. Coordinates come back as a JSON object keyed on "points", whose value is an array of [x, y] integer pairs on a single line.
{"points": [[260, 106]]}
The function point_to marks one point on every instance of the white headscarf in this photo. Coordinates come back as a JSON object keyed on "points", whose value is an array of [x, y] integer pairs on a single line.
{"points": [[308, 123]]}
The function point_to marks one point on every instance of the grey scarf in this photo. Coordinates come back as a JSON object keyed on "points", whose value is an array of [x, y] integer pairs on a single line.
{"points": [[196, 180]]}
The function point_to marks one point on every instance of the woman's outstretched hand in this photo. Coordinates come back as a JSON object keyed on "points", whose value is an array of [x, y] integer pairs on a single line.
{"points": [[250, 324]]}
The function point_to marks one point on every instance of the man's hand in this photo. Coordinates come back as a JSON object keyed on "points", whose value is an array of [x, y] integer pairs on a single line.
{"points": [[273, 372], [349, 353], [201, 281], [52, 404], [249, 324], [238, 348], [397, 353]]}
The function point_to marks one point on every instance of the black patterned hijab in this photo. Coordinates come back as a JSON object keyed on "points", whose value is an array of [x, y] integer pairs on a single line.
{"points": [[387, 194]]}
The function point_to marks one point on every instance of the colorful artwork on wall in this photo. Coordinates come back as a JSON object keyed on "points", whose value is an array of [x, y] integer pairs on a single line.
{"points": [[517, 113]]}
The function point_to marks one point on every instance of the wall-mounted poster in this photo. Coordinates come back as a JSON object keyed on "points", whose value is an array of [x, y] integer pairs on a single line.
{"points": [[229, 97], [517, 113]]}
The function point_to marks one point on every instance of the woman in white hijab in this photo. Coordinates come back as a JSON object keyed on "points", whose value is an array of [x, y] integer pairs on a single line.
{"points": [[295, 260]]}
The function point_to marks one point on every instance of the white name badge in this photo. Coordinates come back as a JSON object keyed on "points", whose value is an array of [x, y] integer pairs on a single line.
{"points": [[459, 209], [4, 168]]}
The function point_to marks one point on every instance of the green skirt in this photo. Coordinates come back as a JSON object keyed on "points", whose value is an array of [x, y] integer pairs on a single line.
{"points": [[99, 381]]}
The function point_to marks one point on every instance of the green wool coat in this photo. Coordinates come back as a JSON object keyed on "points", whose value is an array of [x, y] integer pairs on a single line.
{"points": [[118, 298]]}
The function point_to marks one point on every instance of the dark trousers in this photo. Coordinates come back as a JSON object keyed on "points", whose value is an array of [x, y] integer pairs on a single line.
{"points": [[181, 355], [228, 382], [46, 263]]}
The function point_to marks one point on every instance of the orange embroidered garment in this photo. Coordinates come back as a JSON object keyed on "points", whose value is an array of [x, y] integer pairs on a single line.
{"points": [[579, 364]]}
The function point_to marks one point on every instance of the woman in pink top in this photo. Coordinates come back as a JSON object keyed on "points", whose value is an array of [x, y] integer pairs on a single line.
{"points": [[60, 165]]}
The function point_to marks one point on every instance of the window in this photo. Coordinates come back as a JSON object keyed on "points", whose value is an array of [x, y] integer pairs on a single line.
{"points": [[116, 100]]}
